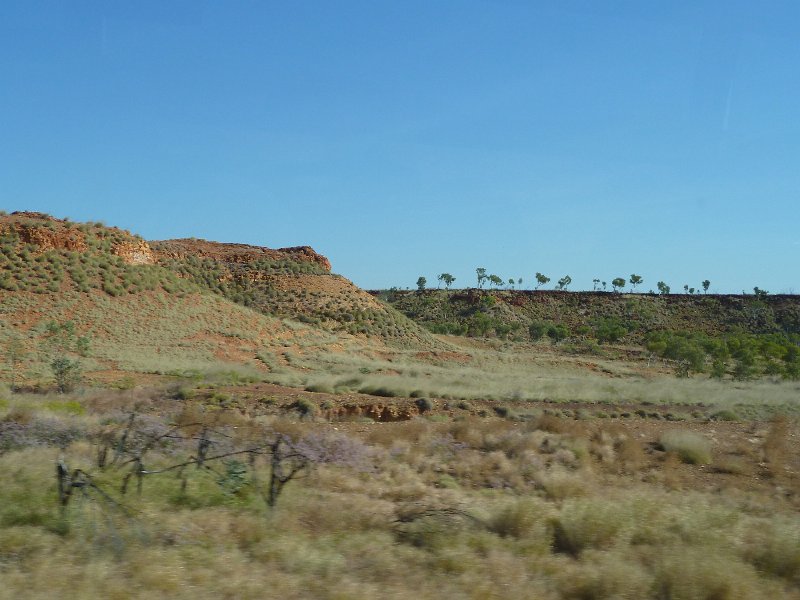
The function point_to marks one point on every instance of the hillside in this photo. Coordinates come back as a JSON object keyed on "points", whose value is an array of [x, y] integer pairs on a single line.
{"points": [[741, 336], [177, 307], [481, 312], [43, 254], [289, 282]]}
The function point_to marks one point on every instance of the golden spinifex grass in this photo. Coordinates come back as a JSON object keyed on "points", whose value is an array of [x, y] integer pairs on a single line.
{"points": [[519, 373], [549, 508]]}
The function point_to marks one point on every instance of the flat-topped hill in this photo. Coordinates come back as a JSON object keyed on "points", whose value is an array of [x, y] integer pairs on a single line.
{"points": [[492, 312], [42, 254]]}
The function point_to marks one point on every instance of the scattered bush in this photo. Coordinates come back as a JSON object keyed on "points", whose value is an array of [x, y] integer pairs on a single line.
{"points": [[305, 407], [725, 414], [691, 448], [320, 388], [424, 405]]}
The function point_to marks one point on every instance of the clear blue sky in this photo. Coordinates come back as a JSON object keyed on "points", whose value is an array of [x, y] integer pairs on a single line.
{"points": [[590, 138]]}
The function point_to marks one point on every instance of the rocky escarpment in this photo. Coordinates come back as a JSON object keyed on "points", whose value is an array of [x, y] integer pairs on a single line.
{"points": [[288, 282], [238, 254], [42, 233]]}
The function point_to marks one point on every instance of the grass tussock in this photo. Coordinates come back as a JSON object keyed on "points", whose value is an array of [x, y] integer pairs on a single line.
{"points": [[690, 447]]}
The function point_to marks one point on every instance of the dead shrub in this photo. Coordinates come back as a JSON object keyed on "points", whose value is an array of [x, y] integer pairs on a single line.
{"points": [[630, 454]]}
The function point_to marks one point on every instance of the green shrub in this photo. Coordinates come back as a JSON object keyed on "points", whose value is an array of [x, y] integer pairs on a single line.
{"points": [[306, 407], [505, 412], [424, 405], [557, 333], [320, 388], [725, 414], [379, 391], [609, 329]]}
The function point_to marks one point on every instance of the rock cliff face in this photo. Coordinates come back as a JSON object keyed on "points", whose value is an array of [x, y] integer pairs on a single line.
{"points": [[49, 233], [134, 253], [237, 254]]}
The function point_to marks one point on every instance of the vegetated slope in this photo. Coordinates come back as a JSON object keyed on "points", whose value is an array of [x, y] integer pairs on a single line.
{"points": [[740, 336], [138, 315], [288, 282], [169, 310], [42, 254], [508, 312]]}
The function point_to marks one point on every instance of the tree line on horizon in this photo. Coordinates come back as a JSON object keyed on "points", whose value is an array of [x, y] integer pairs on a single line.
{"points": [[618, 284]]}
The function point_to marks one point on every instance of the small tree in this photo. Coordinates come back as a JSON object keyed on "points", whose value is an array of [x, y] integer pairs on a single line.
{"points": [[537, 329], [481, 273], [61, 347], [609, 329], [557, 333], [706, 285], [663, 288], [541, 280], [564, 282], [635, 280], [421, 283], [618, 283], [511, 283], [495, 280], [595, 284], [686, 288], [66, 372], [447, 279]]}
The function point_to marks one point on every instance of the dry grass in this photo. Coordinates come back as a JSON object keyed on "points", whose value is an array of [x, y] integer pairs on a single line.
{"points": [[515, 373], [553, 508], [776, 444], [692, 448]]}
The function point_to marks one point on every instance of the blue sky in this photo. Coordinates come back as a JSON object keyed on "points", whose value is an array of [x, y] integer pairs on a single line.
{"points": [[589, 138]]}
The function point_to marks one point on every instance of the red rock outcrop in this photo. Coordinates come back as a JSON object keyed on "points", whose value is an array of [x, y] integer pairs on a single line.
{"points": [[237, 253], [137, 252], [49, 233], [44, 232]]}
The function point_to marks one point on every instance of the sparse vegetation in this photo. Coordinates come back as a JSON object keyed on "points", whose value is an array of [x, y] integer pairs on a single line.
{"points": [[214, 450], [550, 502]]}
